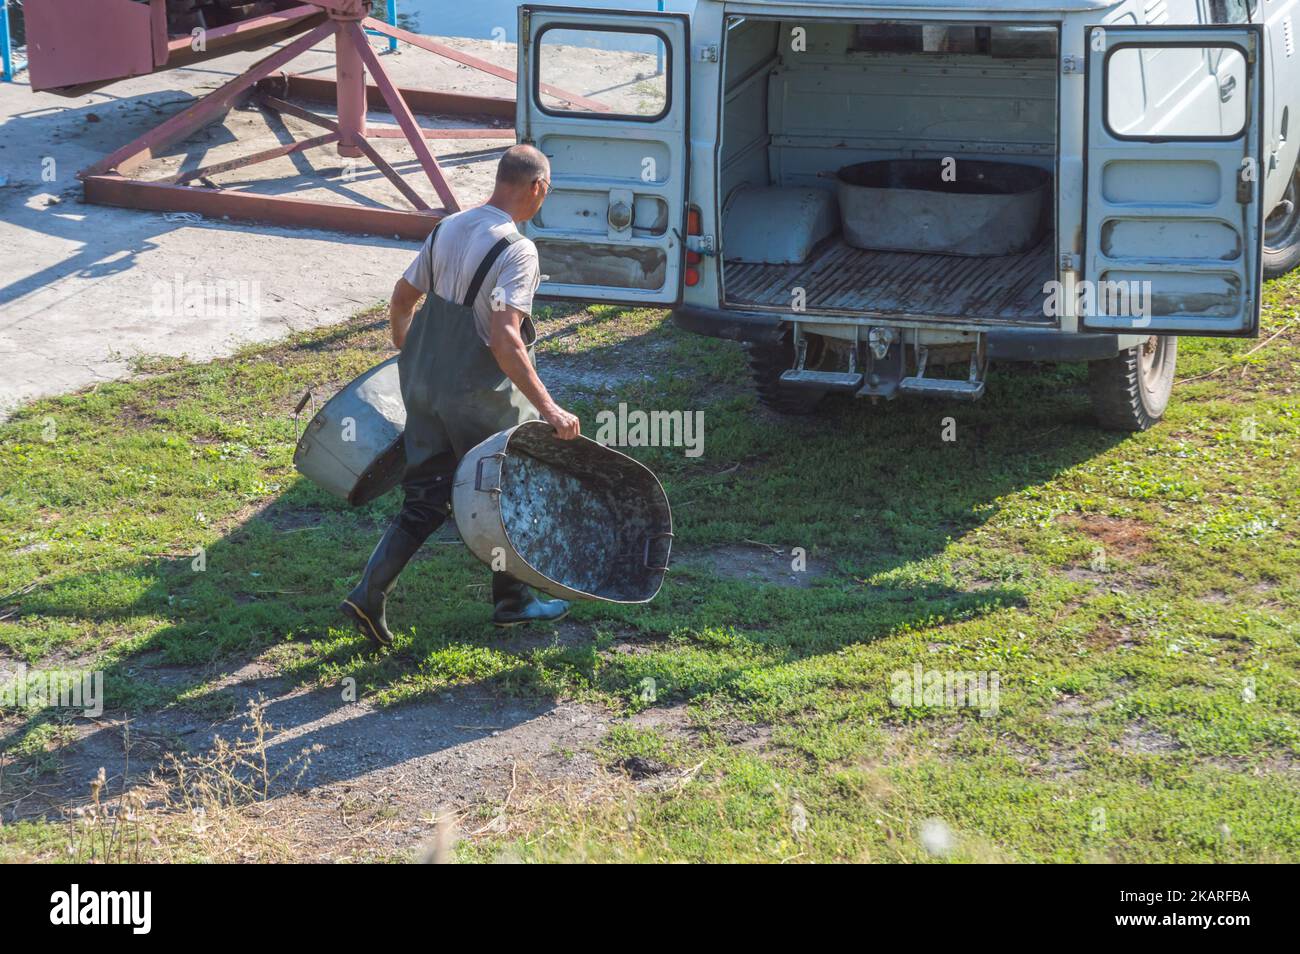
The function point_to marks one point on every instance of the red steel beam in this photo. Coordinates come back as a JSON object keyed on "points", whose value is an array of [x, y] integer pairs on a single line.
{"points": [[396, 132], [230, 165], [180, 51], [321, 90], [206, 109], [277, 105], [393, 176], [251, 207], [402, 113]]}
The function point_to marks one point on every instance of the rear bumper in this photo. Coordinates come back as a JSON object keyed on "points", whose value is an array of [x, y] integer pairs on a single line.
{"points": [[1004, 344], [760, 327]]}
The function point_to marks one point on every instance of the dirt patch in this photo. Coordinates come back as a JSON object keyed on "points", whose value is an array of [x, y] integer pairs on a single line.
{"points": [[286, 518], [580, 378], [1140, 738], [456, 753], [1051, 763], [134, 418], [768, 565], [1077, 709], [1119, 536], [1105, 637]]}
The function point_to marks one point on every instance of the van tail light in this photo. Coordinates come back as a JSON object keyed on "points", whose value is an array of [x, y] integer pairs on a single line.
{"points": [[693, 227]]}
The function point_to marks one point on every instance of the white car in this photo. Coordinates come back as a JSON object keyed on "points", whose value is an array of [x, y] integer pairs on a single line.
{"points": [[880, 198]]}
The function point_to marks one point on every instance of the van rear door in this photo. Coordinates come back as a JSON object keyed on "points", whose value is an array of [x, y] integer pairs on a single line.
{"points": [[1174, 146], [605, 95]]}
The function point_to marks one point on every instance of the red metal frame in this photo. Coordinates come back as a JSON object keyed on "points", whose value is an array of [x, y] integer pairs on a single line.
{"points": [[107, 182]]}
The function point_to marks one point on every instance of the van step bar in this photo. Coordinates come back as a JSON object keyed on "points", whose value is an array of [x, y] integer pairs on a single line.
{"points": [[822, 380], [942, 388], [972, 389], [800, 377]]}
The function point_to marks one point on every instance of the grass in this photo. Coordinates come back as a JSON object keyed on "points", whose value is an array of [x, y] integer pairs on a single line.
{"points": [[1136, 596]]}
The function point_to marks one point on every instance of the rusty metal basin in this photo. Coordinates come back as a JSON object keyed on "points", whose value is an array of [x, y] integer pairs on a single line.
{"points": [[989, 208], [571, 518]]}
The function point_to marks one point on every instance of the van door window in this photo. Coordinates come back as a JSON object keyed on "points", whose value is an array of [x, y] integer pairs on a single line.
{"points": [[1212, 105], [628, 71]]}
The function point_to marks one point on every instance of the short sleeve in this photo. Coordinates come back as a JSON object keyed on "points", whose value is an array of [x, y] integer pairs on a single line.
{"points": [[518, 279], [417, 273]]}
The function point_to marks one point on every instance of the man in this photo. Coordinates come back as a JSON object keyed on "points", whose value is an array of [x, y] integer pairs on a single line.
{"points": [[466, 371]]}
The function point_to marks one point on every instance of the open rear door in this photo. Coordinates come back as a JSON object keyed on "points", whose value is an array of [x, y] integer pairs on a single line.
{"points": [[605, 96], [1173, 226]]}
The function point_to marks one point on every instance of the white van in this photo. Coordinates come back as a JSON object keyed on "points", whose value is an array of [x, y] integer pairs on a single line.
{"points": [[880, 198]]}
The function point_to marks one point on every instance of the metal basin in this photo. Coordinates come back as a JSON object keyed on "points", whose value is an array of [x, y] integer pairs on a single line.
{"points": [[904, 205], [353, 445], [571, 518]]}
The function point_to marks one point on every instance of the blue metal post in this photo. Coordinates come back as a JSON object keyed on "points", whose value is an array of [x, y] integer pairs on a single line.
{"points": [[391, 19], [659, 50], [5, 50]]}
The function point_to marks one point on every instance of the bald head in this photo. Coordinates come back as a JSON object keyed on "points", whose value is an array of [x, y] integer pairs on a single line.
{"points": [[521, 166], [523, 181]]}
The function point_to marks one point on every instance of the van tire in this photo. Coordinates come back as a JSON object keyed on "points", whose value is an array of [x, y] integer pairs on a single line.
{"points": [[1282, 237], [767, 362], [1131, 390]]}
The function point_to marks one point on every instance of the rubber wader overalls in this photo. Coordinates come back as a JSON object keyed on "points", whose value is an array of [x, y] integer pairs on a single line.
{"points": [[456, 396]]}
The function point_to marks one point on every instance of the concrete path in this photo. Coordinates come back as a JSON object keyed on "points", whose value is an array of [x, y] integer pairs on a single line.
{"points": [[85, 290]]}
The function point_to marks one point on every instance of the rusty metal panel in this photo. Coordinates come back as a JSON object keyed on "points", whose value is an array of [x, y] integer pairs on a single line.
{"points": [[70, 42]]}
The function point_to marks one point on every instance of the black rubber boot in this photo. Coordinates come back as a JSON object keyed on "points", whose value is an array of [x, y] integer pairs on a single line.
{"points": [[515, 604], [365, 604]]}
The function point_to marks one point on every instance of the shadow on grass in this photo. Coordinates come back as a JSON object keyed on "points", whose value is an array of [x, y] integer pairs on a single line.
{"points": [[872, 489]]}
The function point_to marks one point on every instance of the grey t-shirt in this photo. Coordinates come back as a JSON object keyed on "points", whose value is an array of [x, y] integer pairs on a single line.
{"points": [[463, 240]]}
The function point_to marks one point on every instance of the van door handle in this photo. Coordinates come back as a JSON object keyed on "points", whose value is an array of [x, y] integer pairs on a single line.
{"points": [[1226, 89]]}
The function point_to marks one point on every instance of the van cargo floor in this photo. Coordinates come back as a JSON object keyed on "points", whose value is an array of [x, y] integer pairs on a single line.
{"points": [[838, 277]]}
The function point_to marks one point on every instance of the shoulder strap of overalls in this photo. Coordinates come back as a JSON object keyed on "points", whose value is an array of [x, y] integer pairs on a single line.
{"points": [[485, 266], [432, 238]]}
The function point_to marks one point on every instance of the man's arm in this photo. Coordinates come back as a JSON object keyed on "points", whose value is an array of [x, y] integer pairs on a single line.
{"points": [[508, 348], [401, 307]]}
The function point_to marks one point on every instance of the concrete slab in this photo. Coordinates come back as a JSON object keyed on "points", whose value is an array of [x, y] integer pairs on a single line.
{"points": [[85, 290]]}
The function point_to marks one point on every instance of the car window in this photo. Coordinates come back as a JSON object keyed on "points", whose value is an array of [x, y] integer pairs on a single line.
{"points": [[1232, 11]]}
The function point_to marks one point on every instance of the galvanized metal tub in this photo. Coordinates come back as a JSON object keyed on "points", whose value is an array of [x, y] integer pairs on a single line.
{"points": [[905, 205], [353, 445], [571, 518]]}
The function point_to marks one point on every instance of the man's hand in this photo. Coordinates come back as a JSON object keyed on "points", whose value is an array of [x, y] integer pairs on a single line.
{"points": [[567, 426]]}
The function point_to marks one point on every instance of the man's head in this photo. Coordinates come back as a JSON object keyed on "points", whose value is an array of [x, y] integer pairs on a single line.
{"points": [[523, 181]]}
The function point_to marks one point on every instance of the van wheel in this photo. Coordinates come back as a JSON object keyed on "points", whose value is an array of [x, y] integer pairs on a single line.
{"points": [[1131, 390], [1282, 232], [767, 362]]}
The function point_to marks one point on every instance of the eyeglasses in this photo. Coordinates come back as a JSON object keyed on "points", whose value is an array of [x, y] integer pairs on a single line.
{"points": [[546, 184]]}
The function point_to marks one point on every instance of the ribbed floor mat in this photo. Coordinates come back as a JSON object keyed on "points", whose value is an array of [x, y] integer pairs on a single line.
{"points": [[838, 277]]}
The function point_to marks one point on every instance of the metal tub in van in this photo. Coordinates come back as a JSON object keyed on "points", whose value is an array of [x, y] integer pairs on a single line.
{"points": [[970, 207]]}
